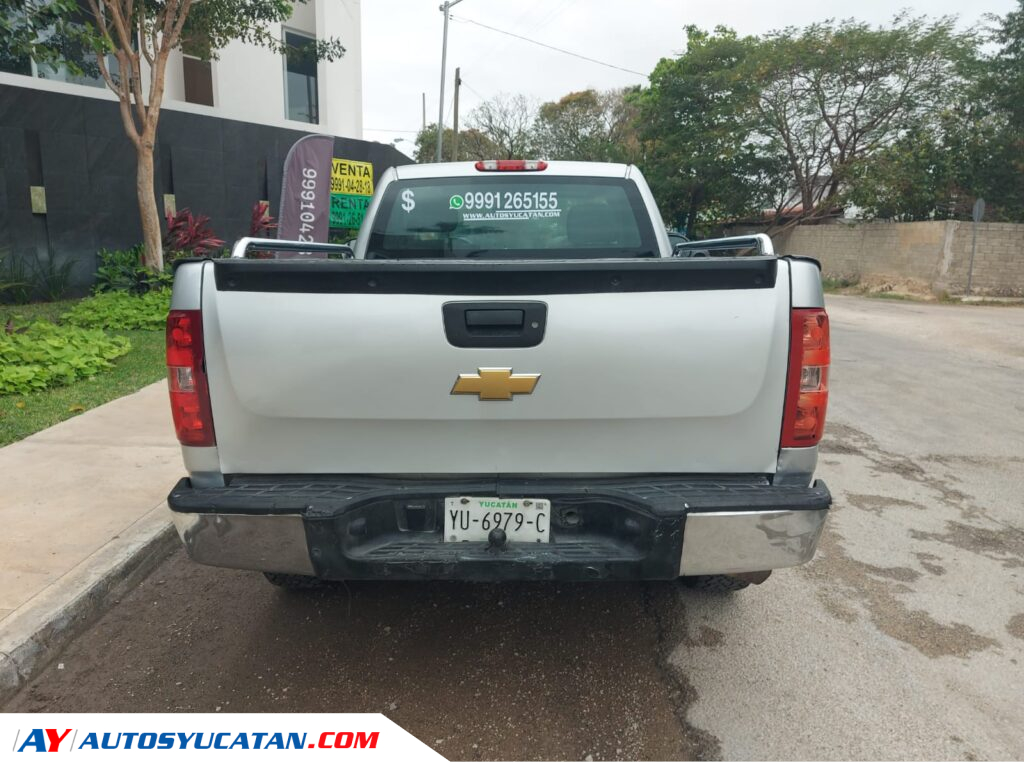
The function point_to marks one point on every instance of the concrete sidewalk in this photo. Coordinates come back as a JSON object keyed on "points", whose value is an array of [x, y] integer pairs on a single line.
{"points": [[82, 519]]}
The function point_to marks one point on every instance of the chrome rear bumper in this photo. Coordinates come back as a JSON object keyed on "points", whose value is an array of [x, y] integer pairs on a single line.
{"points": [[742, 542], [626, 528], [269, 542]]}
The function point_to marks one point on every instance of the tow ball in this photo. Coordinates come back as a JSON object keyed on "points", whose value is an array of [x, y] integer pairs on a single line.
{"points": [[497, 540]]}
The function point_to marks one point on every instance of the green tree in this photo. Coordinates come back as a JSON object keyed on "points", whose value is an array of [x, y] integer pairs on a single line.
{"points": [[572, 128], [507, 121], [131, 41], [836, 95], [588, 125], [702, 152], [972, 147], [48, 30], [473, 145], [917, 178], [1007, 82], [1003, 173]]}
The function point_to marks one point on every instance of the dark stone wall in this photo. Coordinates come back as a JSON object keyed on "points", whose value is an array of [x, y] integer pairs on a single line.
{"points": [[76, 148]]}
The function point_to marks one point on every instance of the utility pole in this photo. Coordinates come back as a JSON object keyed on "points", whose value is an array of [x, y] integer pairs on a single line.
{"points": [[424, 110], [455, 121], [444, 63]]}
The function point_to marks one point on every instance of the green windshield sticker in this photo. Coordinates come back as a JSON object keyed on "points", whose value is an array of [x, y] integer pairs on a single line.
{"points": [[456, 202]]}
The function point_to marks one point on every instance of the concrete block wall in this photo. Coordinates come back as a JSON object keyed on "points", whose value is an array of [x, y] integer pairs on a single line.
{"points": [[936, 253], [998, 261]]}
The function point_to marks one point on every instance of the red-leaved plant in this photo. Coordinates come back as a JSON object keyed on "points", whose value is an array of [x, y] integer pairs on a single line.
{"points": [[261, 224], [189, 235]]}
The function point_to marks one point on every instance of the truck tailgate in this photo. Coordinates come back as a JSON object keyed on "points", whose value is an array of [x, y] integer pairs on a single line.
{"points": [[658, 365]]}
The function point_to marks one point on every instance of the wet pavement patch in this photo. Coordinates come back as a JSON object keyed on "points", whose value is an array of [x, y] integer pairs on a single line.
{"points": [[1004, 544], [843, 439], [846, 583], [1015, 626], [662, 602], [930, 562], [879, 504]]}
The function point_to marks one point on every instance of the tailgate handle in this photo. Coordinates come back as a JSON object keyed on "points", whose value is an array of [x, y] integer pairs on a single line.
{"points": [[494, 323], [488, 319]]}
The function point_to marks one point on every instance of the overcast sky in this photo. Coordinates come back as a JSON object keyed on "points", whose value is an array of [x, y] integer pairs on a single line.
{"points": [[402, 45]]}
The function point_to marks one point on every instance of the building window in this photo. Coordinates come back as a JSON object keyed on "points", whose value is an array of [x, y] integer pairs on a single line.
{"points": [[17, 65], [300, 81], [9, 61], [198, 80], [77, 60]]}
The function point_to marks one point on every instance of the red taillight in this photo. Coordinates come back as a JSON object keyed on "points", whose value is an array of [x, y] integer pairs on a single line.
{"points": [[186, 378], [511, 165], [807, 385]]}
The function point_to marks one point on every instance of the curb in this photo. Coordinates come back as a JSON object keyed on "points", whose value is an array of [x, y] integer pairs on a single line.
{"points": [[1007, 300], [35, 634]]}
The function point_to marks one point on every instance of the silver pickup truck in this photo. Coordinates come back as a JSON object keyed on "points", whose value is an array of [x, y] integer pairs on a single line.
{"points": [[511, 376]]}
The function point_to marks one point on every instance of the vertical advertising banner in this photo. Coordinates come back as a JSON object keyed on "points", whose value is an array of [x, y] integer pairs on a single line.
{"points": [[306, 193]]}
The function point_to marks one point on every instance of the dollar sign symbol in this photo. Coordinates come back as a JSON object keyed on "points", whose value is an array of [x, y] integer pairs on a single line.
{"points": [[407, 200]]}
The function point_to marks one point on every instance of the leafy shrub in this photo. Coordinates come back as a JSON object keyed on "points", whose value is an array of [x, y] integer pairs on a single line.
{"points": [[15, 285], [44, 355], [23, 280], [834, 283], [343, 236], [126, 271], [121, 311], [189, 235], [52, 278], [261, 223]]}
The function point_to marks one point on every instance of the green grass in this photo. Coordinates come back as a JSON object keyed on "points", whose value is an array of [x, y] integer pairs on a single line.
{"points": [[892, 296], [853, 287], [44, 310], [939, 298], [22, 415], [836, 284]]}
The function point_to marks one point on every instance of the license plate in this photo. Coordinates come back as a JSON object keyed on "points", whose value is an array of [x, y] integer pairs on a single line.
{"points": [[472, 518]]}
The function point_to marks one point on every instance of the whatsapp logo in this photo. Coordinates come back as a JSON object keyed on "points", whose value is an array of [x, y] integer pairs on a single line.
{"points": [[456, 202]]}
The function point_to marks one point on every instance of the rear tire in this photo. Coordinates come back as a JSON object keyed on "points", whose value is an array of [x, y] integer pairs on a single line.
{"points": [[294, 582], [720, 583]]}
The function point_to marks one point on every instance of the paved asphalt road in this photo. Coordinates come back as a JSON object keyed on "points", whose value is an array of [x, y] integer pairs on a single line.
{"points": [[904, 639]]}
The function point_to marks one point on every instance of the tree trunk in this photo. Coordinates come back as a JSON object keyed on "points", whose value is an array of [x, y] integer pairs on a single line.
{"points": [[696, 198], [148, 213]]}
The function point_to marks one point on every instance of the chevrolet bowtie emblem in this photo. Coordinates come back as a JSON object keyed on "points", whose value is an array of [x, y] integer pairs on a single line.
{"points": [[495, 383]]}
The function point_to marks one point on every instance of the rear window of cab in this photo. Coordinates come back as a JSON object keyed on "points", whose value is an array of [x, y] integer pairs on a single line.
{"points": [[512, 217]]}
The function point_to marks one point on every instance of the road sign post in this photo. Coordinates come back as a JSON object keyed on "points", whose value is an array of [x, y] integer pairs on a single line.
{"points": [[976, 215]]}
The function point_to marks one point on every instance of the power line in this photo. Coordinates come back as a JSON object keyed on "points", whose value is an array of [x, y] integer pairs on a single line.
{"points": [[555, 13], [391, 130], [545, 45], [451, 108], [473, 90]]}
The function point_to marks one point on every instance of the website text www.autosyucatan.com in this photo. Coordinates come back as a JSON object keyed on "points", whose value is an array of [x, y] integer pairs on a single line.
{"points": [[255, 739]]}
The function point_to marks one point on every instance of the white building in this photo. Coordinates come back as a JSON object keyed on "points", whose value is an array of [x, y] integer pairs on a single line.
{"points": [[250, 83]]}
